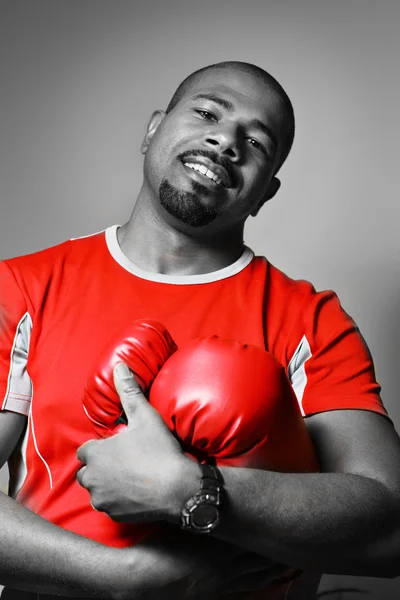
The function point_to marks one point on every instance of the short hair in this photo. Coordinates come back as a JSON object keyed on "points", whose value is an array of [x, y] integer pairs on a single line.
{"points": [[257, 72]]}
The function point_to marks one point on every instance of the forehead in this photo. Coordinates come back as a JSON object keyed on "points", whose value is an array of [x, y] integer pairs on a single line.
{"points": [[247, 93]]}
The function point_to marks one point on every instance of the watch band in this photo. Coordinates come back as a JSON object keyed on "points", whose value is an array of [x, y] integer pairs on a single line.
{"points": [[209, 497], [211, 476]]}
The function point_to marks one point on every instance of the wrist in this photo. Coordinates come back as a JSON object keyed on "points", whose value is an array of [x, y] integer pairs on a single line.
{"points": [[187, 483], [198, 496], [201, 513]]}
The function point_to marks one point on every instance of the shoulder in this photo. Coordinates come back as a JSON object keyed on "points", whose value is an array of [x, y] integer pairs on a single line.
{"points": [[31, 277], [45, 262], [296, 313], [298, 296], [292, 299], [281, 285]]}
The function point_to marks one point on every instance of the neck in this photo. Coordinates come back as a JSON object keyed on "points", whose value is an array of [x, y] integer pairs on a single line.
{"points": [[155, 245]]}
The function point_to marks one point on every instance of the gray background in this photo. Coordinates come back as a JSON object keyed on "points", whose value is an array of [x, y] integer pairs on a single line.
{"points": [[79, 78]]}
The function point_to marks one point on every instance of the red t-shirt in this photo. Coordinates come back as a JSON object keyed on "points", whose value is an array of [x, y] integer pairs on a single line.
{"points": [[59, 308]]}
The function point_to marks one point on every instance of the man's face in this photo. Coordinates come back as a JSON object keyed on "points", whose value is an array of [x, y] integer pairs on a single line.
{"points": [[213, 157]]}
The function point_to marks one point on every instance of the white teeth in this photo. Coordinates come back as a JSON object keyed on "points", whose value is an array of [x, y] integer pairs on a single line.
{"points": [[214, 177], [207, 172]]}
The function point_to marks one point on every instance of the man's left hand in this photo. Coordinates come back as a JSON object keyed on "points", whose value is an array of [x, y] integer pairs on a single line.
{"points": [[140, 473]]}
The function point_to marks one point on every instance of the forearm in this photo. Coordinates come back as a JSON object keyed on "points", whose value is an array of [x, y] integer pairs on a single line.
{"points": [[330, 522], [36, 555], [337, 523]]}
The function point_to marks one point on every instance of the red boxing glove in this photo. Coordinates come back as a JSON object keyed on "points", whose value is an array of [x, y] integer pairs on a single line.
{"points": [[233, 402], [144, 346]]}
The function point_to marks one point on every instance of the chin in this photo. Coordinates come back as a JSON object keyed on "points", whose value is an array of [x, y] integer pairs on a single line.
{"points": [[185, 206]]}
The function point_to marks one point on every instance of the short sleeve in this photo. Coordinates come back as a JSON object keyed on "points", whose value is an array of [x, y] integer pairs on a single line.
{"points": [[332, 367], [15, 333]]}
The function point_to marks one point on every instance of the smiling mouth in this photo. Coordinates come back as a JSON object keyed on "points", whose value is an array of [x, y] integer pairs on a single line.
{"points": [[205, 171]]}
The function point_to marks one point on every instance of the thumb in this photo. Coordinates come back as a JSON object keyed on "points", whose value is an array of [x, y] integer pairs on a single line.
{"points": [[129, 391]]}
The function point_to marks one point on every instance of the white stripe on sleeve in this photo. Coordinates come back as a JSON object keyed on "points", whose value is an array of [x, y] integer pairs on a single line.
{"points": [[19, 388], [297, 372]]}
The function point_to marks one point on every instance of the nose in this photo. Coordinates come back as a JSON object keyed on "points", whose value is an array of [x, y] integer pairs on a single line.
{"points": [[226, 140]]}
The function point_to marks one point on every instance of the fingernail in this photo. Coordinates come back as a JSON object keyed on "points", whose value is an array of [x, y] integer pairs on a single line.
{"points": [[122, 371]]}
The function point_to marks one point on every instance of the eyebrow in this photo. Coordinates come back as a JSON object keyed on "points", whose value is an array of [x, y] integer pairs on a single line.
{"points": [[216, 99], [253, 124]]}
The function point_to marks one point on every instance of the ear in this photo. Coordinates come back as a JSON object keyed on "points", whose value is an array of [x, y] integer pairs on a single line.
{"points": [[151, 128], [272, 189]]}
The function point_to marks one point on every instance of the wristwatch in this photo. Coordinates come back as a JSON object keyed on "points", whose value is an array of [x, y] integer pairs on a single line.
{"points": [[201, 512]]}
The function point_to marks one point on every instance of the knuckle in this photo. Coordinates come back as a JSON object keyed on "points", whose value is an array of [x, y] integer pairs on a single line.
{"points": [[97, 498], [79, 475], [84, 478], [130, 389], [85, 450], [96, 503]]}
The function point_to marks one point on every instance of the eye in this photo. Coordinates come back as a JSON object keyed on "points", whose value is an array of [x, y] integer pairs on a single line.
{"points": [[205, 114], [257, 145]]}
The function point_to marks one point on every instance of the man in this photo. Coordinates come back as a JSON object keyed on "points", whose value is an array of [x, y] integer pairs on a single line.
{"points": [[210, 162]]}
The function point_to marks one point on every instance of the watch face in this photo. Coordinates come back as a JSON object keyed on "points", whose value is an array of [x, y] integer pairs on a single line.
{"points": [[204, 515]]}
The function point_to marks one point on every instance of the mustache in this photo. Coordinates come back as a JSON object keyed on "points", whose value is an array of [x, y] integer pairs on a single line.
{"points": [[221, 161]]}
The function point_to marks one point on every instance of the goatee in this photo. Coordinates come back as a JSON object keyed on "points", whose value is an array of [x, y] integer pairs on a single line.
{"points": [[186, 206]]}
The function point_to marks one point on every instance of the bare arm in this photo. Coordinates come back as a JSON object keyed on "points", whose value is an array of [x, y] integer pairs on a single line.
{"points": [[11, 427], [344, 520], [38, 556]]}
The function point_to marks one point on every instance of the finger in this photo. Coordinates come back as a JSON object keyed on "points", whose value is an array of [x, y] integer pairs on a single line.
{"points": [[82, 452], [80, 474], [131, 396]]}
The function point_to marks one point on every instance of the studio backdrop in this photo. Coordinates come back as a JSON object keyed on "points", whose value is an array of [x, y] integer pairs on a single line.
{"points": [[80, 78]]}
